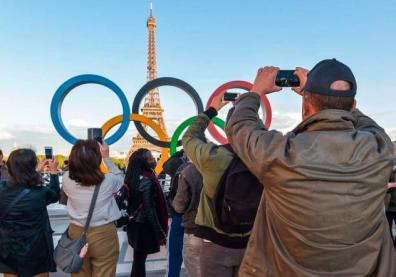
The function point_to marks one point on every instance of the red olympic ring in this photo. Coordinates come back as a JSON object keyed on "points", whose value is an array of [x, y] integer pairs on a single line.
{"points": [[242, 85]]}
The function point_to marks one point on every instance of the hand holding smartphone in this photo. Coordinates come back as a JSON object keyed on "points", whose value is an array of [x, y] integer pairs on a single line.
{"points": [[287, 78], [230, 96], [95, 134], [48, 152]]}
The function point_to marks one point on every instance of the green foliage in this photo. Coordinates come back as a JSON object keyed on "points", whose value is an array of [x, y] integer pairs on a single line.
{"points": [[59, 158], [119, 162]]}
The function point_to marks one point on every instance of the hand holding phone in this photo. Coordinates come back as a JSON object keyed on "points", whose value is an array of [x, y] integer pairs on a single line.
{"points": [[41, 165], [53, 166], [104, 150], [48, 152], [95, 134], [230, 96], [287, 78]]}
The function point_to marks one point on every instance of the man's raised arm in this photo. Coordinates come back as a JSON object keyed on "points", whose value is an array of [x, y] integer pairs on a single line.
{"points": [[254, 144]]}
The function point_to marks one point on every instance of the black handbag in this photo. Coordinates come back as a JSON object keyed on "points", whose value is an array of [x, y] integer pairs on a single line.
{"points": [[67, 252]]}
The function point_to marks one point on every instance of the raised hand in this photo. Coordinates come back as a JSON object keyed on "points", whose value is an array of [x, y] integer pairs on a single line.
{"points": [[104, 150], [53, 166], [265, 81], [302, 74], [41, 165]]}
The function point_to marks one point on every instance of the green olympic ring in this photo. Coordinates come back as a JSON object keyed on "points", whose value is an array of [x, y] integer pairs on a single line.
{"points": [[175, 137]]}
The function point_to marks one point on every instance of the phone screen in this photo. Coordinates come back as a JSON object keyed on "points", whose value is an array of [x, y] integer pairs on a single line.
{"points": [[230, 96], [48, 152], [95, 134], [286, 78]]}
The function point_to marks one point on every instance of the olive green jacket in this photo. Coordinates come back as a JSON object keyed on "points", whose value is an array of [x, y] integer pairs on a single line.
{"points": [[211, 161], [322, 213]]}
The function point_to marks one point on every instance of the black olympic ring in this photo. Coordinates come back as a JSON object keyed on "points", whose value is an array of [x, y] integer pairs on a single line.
{"points": [[164, 81]]}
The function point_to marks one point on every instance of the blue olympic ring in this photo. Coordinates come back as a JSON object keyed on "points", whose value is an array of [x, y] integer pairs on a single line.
{"points": [[69, 85]]}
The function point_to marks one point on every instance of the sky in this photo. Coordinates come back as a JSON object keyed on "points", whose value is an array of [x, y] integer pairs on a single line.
{"points": [[205, 43]]}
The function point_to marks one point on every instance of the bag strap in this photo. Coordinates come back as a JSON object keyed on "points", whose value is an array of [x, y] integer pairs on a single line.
{"points": [[91, 208], [12, 204]]}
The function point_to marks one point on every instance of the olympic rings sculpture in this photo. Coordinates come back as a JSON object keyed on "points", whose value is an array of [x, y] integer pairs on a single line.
{"points": [[127, 116]]}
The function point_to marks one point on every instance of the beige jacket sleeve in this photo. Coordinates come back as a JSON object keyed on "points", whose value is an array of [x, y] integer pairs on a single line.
{"points": [[256, 146]]}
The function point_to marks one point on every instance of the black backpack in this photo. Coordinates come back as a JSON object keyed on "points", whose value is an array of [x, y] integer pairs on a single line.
{"points": [[238, 198], [173, 167]]}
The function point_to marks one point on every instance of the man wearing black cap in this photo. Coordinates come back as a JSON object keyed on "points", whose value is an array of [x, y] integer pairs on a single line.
{"points": [[323, 210]]}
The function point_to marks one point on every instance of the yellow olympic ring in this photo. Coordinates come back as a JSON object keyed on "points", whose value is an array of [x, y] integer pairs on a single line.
{"points": [[145, 120]]}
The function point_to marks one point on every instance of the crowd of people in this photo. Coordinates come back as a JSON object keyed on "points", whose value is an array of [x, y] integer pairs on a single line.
{"points": [[317, 201]]}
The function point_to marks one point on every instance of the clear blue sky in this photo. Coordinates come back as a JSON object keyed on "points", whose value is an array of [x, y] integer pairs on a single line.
{"points": [[205, 43]]}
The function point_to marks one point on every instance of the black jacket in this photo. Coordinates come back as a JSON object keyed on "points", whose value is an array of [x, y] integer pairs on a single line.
{"points": [[28, 249], [187, 197], [145, 230]]}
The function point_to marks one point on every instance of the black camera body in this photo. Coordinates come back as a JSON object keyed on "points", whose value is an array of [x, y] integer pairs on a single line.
{"points": [[286, 78], [230, 96]]}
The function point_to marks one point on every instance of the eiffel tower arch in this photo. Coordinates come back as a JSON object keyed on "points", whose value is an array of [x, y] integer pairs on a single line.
{"points": [[152, 106]]}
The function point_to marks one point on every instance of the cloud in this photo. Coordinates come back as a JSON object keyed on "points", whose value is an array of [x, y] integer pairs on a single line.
{"points": [[76, 122], [391, 133], [285, 121], [5, 135]]}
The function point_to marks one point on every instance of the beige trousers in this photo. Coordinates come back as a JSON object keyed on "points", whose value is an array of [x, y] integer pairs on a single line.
{"points": [[103, 249]]}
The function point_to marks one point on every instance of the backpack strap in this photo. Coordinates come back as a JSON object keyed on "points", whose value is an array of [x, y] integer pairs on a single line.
{"points": [[91, 208], [12, 204]]}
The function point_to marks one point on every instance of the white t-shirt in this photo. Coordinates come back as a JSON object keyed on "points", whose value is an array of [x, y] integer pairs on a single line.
{"points": [[79, 198]]}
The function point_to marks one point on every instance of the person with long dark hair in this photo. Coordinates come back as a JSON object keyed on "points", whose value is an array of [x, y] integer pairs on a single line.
{"points": [[79, 184], [26, 247], [148, 227]]}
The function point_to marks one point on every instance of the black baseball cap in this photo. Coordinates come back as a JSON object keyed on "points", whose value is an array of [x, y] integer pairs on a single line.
{"points": [[326, 72]]}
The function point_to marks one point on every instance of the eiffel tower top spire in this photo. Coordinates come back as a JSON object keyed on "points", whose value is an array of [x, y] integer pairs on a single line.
{"points": [[152, 106], [152, 99]]}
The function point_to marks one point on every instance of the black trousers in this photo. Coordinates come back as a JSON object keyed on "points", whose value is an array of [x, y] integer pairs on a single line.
{"points": [[139, 264], [391, 216]]}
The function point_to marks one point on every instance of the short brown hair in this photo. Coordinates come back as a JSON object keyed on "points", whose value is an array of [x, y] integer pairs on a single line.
{"points": [[324, 102], [84, 163], [22, 165]]}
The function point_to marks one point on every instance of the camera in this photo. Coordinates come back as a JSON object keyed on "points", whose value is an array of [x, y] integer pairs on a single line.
{"points": [[286, 78]]}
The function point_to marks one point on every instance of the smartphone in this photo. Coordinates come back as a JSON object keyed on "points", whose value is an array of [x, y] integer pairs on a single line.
{"points": [[95, 134], [230, 96], [286, 78], [48, 152]]}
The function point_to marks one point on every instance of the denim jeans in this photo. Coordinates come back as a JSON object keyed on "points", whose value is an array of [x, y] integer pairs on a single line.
{"points": [[175, 247]]}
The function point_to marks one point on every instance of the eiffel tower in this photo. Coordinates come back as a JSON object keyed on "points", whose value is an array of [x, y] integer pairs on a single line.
{"points": [[152, 106]]}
